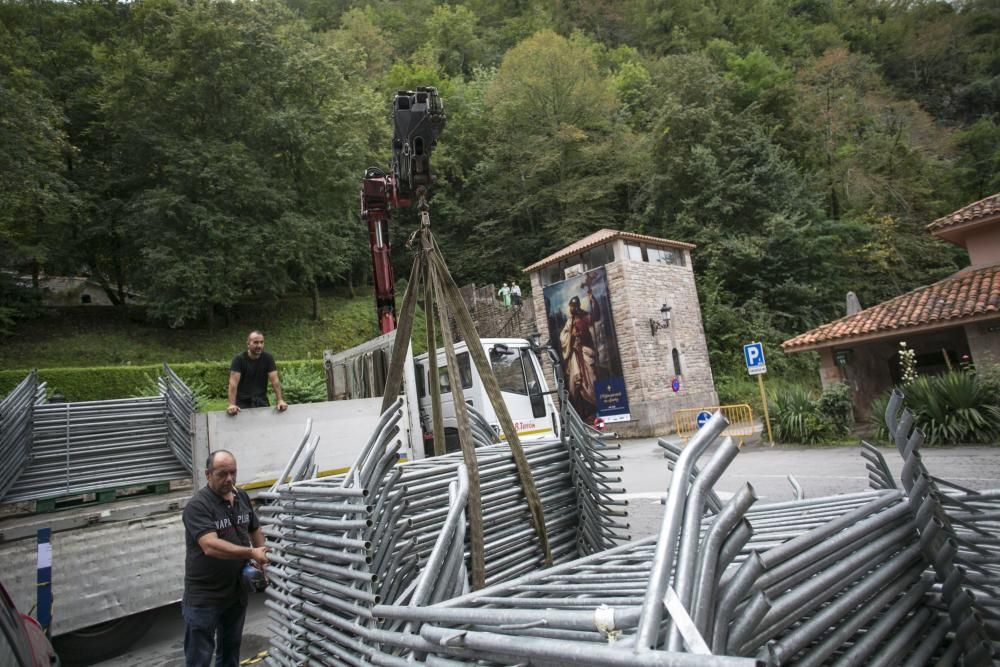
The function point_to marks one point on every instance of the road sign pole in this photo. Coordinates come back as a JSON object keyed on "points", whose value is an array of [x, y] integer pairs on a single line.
{"points": [[763, 401]]}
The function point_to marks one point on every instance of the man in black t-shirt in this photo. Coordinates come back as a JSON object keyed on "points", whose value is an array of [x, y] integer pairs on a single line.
{"points": [[248, 377], [222, 535]]}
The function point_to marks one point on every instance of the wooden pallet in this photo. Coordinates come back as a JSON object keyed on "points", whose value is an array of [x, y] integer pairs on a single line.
{"points": [[100, 497]]}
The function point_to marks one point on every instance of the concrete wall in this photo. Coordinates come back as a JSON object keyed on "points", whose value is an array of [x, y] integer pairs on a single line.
{"points": [[984, 341], [637, 290], [983, 245]]}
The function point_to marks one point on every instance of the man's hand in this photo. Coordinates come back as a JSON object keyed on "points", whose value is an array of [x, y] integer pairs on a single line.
{"points": [[232, 410], [259, 556], [282, 406]]}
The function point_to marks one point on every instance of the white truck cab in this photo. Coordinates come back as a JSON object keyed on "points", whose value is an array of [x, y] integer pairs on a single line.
{"points": [[522, 385]]}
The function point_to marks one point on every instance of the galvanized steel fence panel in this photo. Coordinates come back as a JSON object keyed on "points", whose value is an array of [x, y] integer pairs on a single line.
{"points": [[91, 446], [16, 411], [886, 576]]}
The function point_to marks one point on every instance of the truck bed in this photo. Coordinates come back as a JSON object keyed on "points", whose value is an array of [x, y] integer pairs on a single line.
{"points": [[143, 537]]}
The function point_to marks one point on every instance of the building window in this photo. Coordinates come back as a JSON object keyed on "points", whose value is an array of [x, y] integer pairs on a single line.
{"points": [[642, 252], [677, 361], [85, 298], [598, 256]]}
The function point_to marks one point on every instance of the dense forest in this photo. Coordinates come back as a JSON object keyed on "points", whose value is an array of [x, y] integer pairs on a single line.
{"points": [[207, 153]]}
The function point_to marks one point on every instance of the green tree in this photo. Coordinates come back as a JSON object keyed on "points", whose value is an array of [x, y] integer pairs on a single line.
{"points": [[238, 148], [558, 163], [35, 195]]}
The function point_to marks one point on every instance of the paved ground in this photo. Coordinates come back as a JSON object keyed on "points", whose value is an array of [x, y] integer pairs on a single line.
{"points": [[820, 471]]}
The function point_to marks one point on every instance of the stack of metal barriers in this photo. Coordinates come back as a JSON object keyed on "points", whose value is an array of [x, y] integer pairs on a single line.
{"points": [[370, 567]]}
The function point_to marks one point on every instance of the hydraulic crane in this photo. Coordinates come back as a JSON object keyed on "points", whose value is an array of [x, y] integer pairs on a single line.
{"points": [[418, 118]]}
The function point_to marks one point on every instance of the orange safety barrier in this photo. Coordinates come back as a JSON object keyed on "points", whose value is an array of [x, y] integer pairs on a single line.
{"points": [[740, 419]]}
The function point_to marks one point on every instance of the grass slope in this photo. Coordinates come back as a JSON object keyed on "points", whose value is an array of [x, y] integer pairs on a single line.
{"points": [[104, 337]]}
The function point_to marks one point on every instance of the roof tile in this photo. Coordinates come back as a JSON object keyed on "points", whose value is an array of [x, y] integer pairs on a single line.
{"points": [[974, 212], [603, 236], [966, 294]]}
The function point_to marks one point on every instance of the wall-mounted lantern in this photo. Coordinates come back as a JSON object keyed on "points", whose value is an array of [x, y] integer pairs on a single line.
{"points": [[663, 322]]}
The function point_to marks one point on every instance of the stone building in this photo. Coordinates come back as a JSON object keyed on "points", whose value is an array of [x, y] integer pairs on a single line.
{"points": [[943, 323], [652, 356]]}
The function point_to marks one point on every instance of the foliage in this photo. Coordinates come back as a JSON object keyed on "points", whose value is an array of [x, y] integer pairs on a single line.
{"points": [[206, 380], [795, 417], [303, 383], [151, 387], [953, 408], [207, 154], [104, 336], [836, 406]]}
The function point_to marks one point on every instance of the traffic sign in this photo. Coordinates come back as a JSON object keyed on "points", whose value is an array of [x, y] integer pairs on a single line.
{"points": [[598, 424], [703, 417], [753, 354], [675, 384]]}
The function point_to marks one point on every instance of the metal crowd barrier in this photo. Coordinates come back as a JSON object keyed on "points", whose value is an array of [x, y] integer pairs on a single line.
{"points": [[385, 533], [83, 447], [16, 411], [373, 570], [740, 418]]}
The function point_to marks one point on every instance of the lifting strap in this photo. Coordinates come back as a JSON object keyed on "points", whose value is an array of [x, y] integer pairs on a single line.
{"points": [[441, 296]]}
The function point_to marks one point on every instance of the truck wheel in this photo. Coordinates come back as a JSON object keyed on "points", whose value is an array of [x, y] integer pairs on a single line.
{"points": [[102, 641]]}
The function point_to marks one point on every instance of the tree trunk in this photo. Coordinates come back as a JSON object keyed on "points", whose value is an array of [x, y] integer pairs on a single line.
{"points": [[315, 301]]}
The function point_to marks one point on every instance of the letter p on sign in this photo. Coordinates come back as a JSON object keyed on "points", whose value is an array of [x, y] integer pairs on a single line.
{"points": [[753, 354]]}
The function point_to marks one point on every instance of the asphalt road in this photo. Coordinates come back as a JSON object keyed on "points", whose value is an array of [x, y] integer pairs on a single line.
{"points": [[819, 471]]}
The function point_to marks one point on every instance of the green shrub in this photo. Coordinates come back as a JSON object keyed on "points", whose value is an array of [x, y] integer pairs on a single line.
{"points": [[108, 382], [303, 382], [151, 387], [877, 418], [836, 406], [952, 408], [795, 417]]}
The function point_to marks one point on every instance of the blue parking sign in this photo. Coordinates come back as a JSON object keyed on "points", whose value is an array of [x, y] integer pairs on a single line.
{"points": [[753, 354]]}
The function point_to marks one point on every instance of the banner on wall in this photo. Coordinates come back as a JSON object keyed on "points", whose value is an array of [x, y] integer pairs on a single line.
{"points": [[582, 330]]}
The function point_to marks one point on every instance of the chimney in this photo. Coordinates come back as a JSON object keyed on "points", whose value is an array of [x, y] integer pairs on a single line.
{"points": [[853, 305]]}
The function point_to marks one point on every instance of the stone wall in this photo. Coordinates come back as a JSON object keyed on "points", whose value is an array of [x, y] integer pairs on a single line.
{"points": [[637, 290], [491, 318]]}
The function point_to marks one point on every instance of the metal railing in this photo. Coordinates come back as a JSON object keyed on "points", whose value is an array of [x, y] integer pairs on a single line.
{"points": [[740, 418]]}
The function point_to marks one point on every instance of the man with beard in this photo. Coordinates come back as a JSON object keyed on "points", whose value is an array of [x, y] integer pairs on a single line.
{"points": [[249, 374], [579, 351]]}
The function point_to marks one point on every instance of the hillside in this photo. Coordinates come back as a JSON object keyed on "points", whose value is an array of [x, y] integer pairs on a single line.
{"points": [[105, 337]]}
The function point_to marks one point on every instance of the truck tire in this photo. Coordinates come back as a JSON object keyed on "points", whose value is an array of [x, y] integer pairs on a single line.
{"points": [[102, 641]]}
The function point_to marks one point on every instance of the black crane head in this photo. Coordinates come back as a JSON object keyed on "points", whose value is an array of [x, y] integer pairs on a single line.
{"points": [[417, 118]]}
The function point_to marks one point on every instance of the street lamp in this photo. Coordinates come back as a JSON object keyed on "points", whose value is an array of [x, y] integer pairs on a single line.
{"points": [[662, 323]]}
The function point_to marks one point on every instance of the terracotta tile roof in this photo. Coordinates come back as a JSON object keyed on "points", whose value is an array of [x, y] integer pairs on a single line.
{"points": [[966, 294], [603, 236], [975, 212]]}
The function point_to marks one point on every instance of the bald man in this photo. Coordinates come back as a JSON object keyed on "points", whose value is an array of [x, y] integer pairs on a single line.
{"points": [[222, 536], [249, 374]]}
